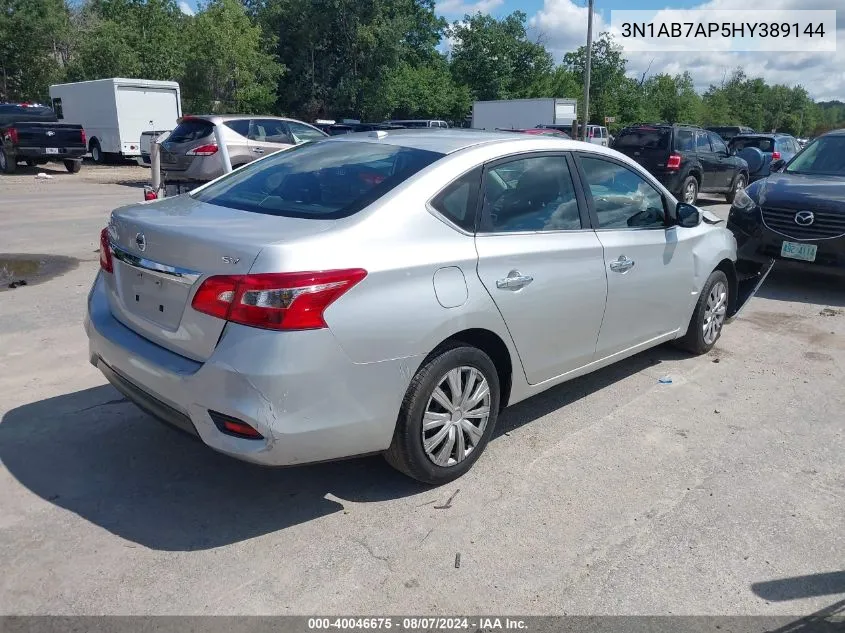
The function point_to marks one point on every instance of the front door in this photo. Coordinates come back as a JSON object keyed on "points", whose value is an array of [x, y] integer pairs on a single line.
{"points": [[541, 263], [709, 161], [725, 164], [648, 263]]}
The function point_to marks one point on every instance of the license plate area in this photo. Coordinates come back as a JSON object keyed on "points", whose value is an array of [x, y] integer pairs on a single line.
{"points": [[799, 251], [153, 297], [51, 150]]}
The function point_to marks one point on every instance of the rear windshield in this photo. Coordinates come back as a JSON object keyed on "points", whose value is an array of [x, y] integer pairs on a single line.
{"points": [[191, 130], [726, 133], [10, 113], [644, 137], [739, 143], [318, 180]]}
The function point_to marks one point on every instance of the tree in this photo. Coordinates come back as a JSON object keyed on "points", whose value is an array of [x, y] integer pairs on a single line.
{"points": [[226, 67], [495, 59], [607, 75]]}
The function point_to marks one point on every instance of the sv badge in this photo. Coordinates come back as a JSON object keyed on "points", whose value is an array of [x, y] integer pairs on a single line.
{"points": [[230, 260]]}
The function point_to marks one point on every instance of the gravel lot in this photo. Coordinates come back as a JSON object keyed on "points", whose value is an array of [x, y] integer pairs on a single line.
{"points": [[612, 494]]}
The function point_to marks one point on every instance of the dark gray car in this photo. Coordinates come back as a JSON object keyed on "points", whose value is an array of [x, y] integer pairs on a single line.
{"points": [[761, 150]]}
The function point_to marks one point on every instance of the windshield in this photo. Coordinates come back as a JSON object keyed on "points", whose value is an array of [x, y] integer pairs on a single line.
{"points": [[324, 180], [824, 156], [763, 144], [643, 137]]}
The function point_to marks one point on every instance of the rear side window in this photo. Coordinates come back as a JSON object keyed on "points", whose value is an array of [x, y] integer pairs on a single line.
{"points": [[241, 126], [57, 108], [684, 140], [191, 130], [318, 180], [644, 137], [459, 201], [702, 142]]}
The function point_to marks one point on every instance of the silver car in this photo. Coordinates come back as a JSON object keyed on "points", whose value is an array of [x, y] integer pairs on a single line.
{"points": [[392, 292], [190, 153]]}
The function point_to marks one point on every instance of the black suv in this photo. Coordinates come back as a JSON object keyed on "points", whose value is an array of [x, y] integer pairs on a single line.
{"points": [[687, 159]]}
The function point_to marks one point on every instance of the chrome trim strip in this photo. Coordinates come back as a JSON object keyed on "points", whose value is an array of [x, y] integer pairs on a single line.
{"points": [[174, 273]]}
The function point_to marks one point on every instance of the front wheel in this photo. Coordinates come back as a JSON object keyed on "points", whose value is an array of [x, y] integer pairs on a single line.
{"points": [[7, 165], [709, 316], [447, 416], [739, 183]]}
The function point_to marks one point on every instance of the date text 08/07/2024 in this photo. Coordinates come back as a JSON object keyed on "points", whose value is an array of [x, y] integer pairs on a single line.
{"points": [[720, 29], [417, 623]]}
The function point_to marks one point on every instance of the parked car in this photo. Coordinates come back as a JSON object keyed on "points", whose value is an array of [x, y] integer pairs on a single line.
{"points": [[727, 132], [759, 150], [31, 133], [417, 123], [566, 129], [441, 271], [798, 212], [190, 153], [147, 140], [541, 132], [334, 129], [686, 159]]}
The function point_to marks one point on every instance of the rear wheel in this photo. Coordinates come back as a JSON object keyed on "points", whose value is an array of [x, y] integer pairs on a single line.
{"points": [[447, 416], [73, 166], [31, 163], [97, 152], [739, 183], [689, 190], [709, 316], [7, 165]]}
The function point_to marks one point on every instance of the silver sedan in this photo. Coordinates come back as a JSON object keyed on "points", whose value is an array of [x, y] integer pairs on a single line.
{"points": [[392, 292]]}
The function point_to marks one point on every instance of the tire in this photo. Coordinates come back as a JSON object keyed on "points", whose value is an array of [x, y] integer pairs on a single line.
{"points": [[30, 162], [739, 183], [7, 165], [716, 291], [407, 452], [97, 152], [73, 166], [689, 190]]}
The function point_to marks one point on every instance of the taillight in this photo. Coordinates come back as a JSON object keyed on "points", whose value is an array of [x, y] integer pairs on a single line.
{"points": [[13, 135], [202, 150], [276, 301], [84, 138], [775, 155], [105, 252], [674, 162]]}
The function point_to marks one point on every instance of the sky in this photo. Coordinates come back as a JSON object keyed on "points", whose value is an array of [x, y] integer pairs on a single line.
{"points": [[562, 26]]}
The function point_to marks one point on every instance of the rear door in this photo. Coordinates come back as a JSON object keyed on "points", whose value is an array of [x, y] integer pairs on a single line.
{"points": [[140, 109], [708, 159], [648, 263], [268, 135], [541, 262]]}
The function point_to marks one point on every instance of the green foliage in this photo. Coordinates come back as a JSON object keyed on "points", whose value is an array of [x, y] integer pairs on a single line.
{"points": [[368, 59]]}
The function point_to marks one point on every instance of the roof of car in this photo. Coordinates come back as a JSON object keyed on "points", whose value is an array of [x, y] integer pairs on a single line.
{"points": [[760, 135], [840, 132], [446, 141]]}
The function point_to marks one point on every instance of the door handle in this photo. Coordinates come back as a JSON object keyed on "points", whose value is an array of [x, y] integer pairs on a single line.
{"points": [[257, 150], [622, 265], [514, 281]]}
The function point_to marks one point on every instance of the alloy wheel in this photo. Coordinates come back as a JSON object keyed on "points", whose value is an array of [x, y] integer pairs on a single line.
{"points": [[456, 416], [689, 192], [715, 312]]}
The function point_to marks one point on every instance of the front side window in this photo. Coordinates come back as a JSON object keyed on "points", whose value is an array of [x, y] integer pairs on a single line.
{"points": [[622, 198], [302, 133], [269, 131], [318, 180], [530, 194], [241, 126], [718, 144]]}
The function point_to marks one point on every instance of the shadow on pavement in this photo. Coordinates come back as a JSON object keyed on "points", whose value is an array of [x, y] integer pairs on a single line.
{"points": [[788, 282], [95, 454], [798, 587]]}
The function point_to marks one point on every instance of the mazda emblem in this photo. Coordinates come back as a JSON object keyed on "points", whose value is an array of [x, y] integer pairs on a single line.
{"points": [[50, 133], [140, 242], [804, 218]]}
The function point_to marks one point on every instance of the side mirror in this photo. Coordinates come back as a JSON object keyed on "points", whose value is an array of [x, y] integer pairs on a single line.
{"points": [[687, 215], [777, 165]]}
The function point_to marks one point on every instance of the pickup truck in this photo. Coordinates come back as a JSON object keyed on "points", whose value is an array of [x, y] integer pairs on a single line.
{"points": [[30, 133]]}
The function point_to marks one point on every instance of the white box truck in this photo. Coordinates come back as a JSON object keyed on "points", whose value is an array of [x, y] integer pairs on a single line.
{"points": [[523, 114], [114, 112]]}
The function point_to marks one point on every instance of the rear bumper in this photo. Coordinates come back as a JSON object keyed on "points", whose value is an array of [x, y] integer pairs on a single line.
{"points": [[298, 389], [41, 153], [759, 244]]}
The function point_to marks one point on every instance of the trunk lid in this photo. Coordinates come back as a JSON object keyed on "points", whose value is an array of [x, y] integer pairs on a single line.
{"points": [[189, 134], [61, 135], [162, 251]]}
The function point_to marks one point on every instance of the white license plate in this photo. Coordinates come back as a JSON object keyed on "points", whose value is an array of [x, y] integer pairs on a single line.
{"points": [[52, 150], [796, 250]]}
